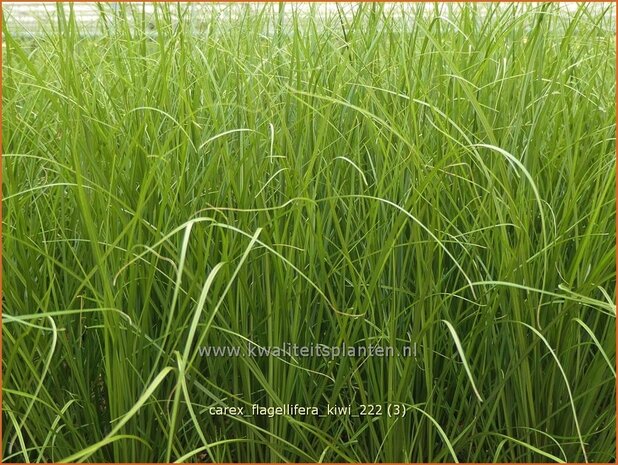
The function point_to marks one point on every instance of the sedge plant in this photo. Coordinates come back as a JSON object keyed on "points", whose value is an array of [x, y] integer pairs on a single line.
{"points": [[440, 177]]}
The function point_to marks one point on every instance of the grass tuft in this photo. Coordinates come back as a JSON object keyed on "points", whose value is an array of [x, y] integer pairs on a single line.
{"points": [[437, 176]]}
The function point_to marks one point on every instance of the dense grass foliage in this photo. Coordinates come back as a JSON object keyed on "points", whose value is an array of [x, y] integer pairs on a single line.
{"points": [[437, 176]]}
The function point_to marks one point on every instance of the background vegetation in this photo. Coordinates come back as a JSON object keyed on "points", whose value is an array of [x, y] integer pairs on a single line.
{"points": [[439, 175]]}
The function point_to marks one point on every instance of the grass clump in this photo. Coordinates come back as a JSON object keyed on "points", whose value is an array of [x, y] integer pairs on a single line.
{"points": [[440, 177]]}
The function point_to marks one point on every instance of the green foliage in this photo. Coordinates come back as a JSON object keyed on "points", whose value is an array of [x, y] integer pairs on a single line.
{"points": [[442, 176]]}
